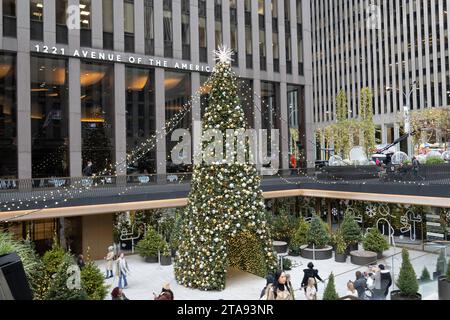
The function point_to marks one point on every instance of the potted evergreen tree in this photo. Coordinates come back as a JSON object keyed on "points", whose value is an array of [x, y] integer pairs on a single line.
{"points": [[149, 246], [374, 241], [440, 265], [425, 276], [407, 281], [330, 291], [351, 232], [340, 255], [166, 256], [318, 239], [300, 238], [444, 285]]}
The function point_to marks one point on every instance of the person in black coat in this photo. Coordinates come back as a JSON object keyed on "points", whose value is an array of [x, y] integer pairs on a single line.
{"points": [[310, 273]]}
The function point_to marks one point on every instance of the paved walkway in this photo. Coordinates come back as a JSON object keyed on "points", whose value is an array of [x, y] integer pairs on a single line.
{"points": [[146, 278]]}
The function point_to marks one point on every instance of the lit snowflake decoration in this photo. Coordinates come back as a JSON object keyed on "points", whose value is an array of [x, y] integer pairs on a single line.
{"points": [[224, 54], [334, 212], [371, 211]]}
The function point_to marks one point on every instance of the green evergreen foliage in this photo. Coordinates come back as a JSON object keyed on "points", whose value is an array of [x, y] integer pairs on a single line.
{"points": [[330, 290], [350, 230], [318, 233], [425, 275], [367, 123], [53, 258], [448, 271], [149, 246], [440, 263], [225, 202], [407, 279], [287, 264], [61, 286], [176, 233], [92, 279], [165, 249], [300, 236], [339, 242], [375, 241], [435, 160]]}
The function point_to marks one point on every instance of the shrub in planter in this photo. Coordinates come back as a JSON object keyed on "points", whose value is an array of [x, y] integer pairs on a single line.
{"points": [[330, 291], [425, 275], [149, 246], [351, 231], [440, 265], [92, 279], [435, 160], [287, 264], [340, 255], [166, 256], [176, 233], [317, 234], [300, 237], [407, 281], [375, 242]]}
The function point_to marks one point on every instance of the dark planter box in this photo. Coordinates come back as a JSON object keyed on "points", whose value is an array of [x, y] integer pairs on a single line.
{"points": [[444, 288], [379, 255], [294, 253], [280, 246], [166, 261], [363, 258], [352, 247], [396, 295], [151, 259], [316, 254], [340, 257], [436, 275]]}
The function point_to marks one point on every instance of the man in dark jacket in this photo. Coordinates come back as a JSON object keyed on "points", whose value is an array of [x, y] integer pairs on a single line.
{"points": [[87, 171], [310, 273], [360, 285]]}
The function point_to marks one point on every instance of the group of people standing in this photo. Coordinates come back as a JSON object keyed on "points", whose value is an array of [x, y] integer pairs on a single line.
{"points": [[122, 269], [373, 284], [279, 286]]}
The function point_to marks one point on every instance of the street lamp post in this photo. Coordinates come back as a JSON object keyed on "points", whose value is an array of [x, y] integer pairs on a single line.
{"points": [[406, 109]]}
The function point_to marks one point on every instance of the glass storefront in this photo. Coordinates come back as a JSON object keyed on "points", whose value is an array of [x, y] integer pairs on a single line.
{"points": [[140, 95], [270, 111], [97, 116], [178, 94], [49, 117], [8, 117]]}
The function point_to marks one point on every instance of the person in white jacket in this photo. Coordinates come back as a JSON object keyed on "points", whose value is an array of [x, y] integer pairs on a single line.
{"points": [[122, 271], [109, 262]]}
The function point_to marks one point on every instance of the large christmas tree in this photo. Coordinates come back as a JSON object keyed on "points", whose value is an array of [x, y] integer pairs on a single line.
{"points": [[224, 224]]}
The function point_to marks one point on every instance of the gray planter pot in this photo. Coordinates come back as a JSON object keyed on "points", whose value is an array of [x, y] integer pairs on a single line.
{"points": [[396, 295], [280, 246], [363, 258], [166, 261], [342, 258], [443, 288], [317, 254], [153, 259]]}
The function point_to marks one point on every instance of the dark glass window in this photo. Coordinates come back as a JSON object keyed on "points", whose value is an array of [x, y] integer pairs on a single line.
{"points": [[168, 29], [49, 117], [185, 30], [61, 23], [203, 39], [269, 108], [9, 18], [108, 24], [218, 24], [128, 8], [8, 118], [140, 99], [37, 20], [85, 23], [149, 28], [297, 140], [178, 93], [97, 116]]}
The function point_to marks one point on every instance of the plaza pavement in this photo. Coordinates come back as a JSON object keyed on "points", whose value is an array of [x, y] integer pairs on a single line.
{"points": [[146, 278]]}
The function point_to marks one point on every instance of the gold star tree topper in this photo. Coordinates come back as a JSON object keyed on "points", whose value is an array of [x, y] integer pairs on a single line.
{"points": [[224, 54]]}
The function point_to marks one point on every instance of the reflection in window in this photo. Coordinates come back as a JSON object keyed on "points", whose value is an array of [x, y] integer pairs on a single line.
{"points": [[296, 127], [49, 117], [9, 18], [61, 23], [140, 95], [97, 115], [178, 93], [149, 28], [37, 20], [128, 8], [85, 23], [8, 117], [185, 30], [108, 24], [168, 29]]}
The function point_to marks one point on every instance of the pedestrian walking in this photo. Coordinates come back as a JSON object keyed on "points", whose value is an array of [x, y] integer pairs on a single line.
{"points": [[383, 281], [117, 294], [360, 285], [109, 262], [122, 271], [87, 171], [310, 289], [269, 281], [278, 290], [166, 293], [310, 273]]}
